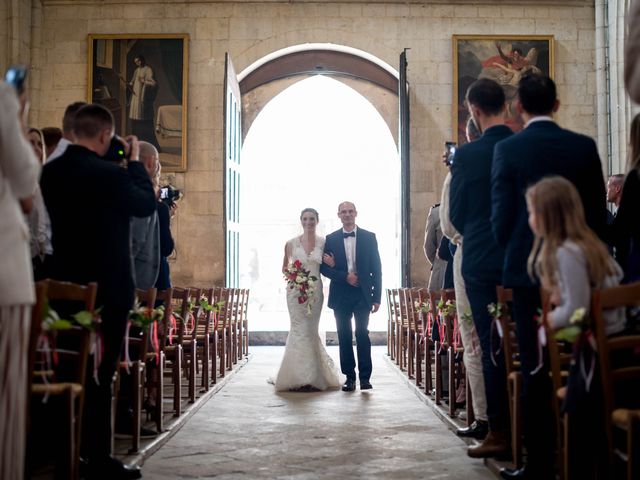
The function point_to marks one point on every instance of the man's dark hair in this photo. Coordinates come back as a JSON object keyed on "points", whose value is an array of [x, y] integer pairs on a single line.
{"points": [[52, 136], [90, 120], [69, 113], [487, 95], [537, 94]]}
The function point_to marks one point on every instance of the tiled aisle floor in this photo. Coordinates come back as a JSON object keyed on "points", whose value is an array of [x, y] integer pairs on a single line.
{"points": [[248, 431]]}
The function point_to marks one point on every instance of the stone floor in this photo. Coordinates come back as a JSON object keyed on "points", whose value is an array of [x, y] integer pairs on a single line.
{"points": [[248, 431]]}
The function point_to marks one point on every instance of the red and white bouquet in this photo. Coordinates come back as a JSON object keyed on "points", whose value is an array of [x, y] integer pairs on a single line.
{"points": [[301, 280]]}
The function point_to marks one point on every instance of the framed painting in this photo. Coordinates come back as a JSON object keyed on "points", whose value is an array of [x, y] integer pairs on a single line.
{"points": [[142, 80], [504, 58]]}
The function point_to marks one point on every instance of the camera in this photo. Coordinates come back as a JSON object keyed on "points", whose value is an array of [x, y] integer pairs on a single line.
{"points": [[16, 76], [116, 151], [170, 195], [450, 151]]}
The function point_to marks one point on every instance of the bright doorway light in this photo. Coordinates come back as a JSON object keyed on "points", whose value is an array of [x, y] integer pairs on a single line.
{"points": [[316, 144]]}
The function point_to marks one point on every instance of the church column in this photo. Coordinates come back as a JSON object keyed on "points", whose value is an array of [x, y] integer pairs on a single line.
{"points": [[614, 109]]}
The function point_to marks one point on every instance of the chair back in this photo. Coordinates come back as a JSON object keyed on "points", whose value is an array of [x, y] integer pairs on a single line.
{"points": [[164, 297], [180, 305], [71, 345], [508, 327], [141, 342], [619, 356]]}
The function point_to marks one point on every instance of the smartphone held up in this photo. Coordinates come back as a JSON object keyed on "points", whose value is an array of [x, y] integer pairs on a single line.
{"points": [[449, 152]]}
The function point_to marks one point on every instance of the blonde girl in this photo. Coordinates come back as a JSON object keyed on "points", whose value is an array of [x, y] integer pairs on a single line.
{"points": [[567, 256]]}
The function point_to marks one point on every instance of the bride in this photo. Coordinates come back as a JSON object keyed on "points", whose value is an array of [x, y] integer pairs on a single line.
{"points": [[306, 365]]}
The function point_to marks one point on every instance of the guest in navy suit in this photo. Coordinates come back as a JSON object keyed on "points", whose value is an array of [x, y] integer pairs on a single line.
{"points": [[542, 149], [470, 214], [352, 263]]}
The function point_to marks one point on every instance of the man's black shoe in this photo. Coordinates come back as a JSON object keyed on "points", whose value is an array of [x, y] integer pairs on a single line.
{"points": [[365, 385], [111, 469], [349, 386], [477, 430], [525, 473]]}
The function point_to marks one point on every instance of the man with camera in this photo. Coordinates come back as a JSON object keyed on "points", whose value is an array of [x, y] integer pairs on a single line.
{"points": [[470, 214], [90, 202]]}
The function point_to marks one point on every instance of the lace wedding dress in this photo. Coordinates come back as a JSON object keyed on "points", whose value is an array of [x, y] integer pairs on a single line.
{"points": [[306, 362]]}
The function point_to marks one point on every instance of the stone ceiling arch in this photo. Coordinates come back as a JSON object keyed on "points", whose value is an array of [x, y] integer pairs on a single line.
{"points": [[272, 73]]}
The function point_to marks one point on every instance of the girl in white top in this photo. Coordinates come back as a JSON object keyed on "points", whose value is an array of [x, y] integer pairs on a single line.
{"points": [[567, 255]]}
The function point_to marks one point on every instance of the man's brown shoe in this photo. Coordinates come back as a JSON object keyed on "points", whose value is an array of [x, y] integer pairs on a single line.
{"points": [[495, 444]]}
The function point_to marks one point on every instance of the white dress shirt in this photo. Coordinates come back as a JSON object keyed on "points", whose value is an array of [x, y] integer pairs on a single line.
{"points": [[350, 250], [59, 150]]}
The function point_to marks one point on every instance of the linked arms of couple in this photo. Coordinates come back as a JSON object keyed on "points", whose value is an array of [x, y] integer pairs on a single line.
{"points": [[351, 279]]}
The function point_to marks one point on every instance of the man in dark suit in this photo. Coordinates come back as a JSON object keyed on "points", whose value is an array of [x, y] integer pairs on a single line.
{"points": [[470, 213], [541, 149], [352, 262], [90, 201]]}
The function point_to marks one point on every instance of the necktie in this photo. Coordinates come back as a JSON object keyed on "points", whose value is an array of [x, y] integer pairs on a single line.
{"points": [[347, 235]]}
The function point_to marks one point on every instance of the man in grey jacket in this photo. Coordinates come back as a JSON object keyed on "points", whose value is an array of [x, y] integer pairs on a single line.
{"points": [[145, 231], [432, 237]]}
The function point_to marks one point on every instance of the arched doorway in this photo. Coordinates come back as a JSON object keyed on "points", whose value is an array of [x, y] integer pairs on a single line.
{"points": [[275, 73], [317, 143]]}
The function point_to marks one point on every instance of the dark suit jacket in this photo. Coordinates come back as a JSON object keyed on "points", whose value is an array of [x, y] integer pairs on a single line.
{"points": [[470, 207], [368, 266], [625, 228], [540, 150], [90, 201], [166, 246]]}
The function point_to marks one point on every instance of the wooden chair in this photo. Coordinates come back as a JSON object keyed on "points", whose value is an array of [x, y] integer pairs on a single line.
{"points": [[390, 325], [171, 342], [155, 382], [187, 334], [454, 350], [216, 344], [138, 346], [245, 322], [241, 313], [559, 363], [512, 367], [403, 333], [620, 372], [394, 308], [409, 328], [419, 335], [223, 332], [431, 384], [65, 383], [203, 339]]}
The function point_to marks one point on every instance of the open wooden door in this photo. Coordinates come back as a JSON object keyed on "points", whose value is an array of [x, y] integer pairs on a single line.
{"points": [[405, 171], [231, 153]]}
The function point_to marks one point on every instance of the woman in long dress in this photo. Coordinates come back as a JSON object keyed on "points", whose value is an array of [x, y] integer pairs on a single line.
{"points": [[306, 365]]}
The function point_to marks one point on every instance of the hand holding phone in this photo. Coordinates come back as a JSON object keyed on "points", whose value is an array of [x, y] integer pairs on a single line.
{"points": [[16, 76], [449, 152]]}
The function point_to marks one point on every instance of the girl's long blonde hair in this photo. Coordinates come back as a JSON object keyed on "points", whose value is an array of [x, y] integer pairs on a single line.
{"points": [[559, 217]]}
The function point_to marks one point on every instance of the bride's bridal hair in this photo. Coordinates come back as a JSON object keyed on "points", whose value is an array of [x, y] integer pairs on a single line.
{"points": [[311, 210]]}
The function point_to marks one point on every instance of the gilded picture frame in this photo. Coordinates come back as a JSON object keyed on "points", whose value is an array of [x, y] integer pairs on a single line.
{"points": [[142, 79], [504, 58]]}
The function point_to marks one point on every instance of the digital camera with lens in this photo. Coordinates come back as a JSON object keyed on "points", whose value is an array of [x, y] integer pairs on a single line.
{"points": [[116, 152], [170, 195]]}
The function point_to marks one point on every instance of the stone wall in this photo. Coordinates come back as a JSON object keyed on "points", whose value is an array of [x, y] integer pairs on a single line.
{"points": [[251, 30], [15, 32]]}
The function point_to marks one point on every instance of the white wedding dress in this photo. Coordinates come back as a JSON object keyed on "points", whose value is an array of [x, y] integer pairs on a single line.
{"points": [[306, 362]]}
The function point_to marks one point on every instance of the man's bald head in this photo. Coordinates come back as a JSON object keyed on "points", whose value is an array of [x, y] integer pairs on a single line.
{"points": [[149, 158]]}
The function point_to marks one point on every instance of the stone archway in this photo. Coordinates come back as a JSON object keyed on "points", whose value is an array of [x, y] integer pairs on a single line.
{"points": [[373, 78]]}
